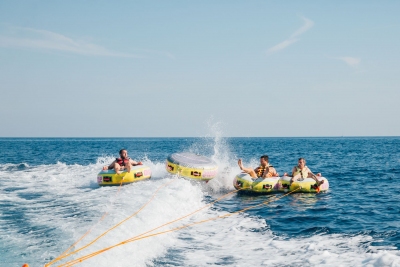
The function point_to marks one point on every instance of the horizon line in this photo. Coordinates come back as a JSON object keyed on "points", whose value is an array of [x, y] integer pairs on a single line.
{"points": [[119, 137]]}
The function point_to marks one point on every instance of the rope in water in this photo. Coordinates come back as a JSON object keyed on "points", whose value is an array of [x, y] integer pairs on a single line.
{"points": [[158, 226], [143, 236], [84, 235], [66, 254]]}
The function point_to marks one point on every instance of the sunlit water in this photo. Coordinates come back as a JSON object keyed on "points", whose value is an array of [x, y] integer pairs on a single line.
{"points": [[49, 198]]}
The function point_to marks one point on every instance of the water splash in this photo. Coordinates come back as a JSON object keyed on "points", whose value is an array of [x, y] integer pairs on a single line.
{"points": [[220, 152]]}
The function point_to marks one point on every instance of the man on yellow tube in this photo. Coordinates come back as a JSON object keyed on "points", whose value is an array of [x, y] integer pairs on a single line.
{"points": [[122, 163], [265, 170]]}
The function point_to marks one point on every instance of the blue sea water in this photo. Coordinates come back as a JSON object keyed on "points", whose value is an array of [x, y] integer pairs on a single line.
{"points": [[49, 198]]}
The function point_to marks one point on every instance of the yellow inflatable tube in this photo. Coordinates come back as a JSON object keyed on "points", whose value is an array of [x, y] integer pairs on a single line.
{"points": [[137, 173], [244, 182], [306, 185], [191, 166]]}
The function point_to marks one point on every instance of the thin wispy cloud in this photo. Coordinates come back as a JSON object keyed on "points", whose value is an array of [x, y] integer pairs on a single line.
{"points": [[351, 61], [19, 37], [308, 24], [281, 45]]}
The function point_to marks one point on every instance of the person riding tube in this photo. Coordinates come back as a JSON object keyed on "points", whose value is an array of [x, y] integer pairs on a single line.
{"points": [[301, 171], [265, 170], [122, 163]]}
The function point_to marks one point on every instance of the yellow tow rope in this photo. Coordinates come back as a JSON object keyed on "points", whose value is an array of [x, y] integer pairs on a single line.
{"points": [[66, 254], [143, 235]]}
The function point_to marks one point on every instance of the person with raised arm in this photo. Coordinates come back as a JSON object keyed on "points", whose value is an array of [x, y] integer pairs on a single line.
{"points": [[265, 170]]}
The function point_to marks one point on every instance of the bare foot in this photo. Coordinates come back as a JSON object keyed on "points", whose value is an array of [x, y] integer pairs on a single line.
{"points": [[320, 182], [240, 164]]}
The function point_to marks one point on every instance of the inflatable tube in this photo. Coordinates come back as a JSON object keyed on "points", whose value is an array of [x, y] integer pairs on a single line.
{"points": [[244, 182], [137, 173], [191, 166], [306, 185]]}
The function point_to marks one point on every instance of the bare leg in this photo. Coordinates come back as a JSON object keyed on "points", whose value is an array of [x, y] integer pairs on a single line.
{"points": [[249, 171], [128, 167], [117, 168]]}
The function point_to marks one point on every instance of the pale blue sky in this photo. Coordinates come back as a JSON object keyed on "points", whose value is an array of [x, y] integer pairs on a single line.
{"points": [[169, 68]]}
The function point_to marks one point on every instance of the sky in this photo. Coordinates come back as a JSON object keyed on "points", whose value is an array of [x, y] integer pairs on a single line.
{"points": [[186, 68]]}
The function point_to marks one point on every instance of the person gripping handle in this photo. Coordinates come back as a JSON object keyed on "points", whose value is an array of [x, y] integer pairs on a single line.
{"points": [[122, 163]]}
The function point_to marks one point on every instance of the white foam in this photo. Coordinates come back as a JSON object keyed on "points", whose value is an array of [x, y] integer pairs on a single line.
{"points": [[236, 241]]}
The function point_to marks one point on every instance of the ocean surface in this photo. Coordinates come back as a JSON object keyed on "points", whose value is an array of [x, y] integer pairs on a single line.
{"points": [[49, 199]]}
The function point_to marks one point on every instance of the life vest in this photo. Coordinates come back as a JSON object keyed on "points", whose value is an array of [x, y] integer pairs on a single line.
{"points": [[303, 172], [260, 171], [122, 162]]}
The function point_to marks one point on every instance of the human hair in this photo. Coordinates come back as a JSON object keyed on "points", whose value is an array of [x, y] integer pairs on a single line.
{"points": [[265, 157], [302, 159], [122, 150]]}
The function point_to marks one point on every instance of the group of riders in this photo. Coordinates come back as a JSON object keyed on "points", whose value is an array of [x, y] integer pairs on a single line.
{"points": [[265, 170]]}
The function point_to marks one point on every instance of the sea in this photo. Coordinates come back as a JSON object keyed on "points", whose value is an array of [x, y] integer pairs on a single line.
{"points": [[53, 213]]}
